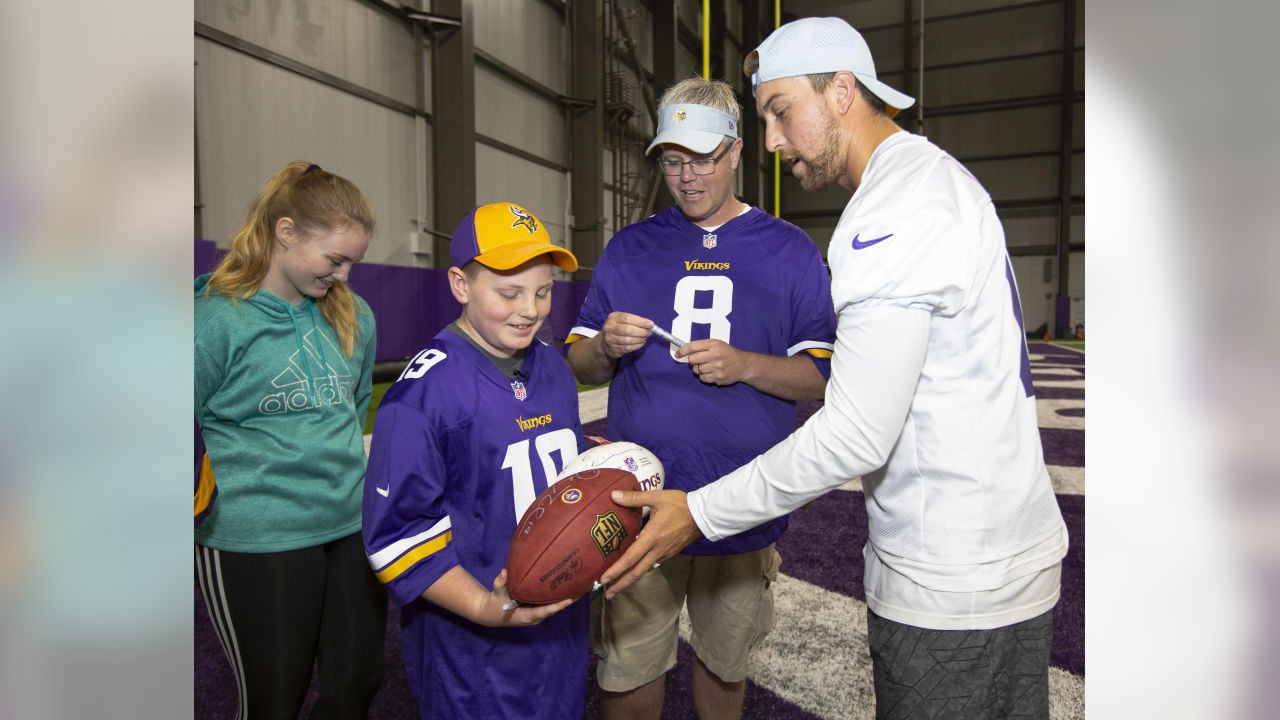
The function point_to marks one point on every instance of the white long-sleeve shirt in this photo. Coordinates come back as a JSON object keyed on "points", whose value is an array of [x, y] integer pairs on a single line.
{"points": [[929, 401]]}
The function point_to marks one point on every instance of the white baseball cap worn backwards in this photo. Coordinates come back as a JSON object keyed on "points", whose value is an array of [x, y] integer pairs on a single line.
{"points": [[696, 127], [812, 46]]}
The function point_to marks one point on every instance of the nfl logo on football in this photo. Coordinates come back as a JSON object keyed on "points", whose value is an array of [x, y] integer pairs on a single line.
{"points": [[709, 240], [517, 388]]}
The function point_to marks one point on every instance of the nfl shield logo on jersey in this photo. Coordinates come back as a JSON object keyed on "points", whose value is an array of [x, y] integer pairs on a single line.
{"points": [[709, 240], [517, 388]]}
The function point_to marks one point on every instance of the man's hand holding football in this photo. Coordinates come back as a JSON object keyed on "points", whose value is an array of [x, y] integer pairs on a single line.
{"points": [[670, 529]]}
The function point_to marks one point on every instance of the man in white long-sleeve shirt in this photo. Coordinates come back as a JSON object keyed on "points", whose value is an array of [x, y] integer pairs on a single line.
{"points": [[929, 401]]}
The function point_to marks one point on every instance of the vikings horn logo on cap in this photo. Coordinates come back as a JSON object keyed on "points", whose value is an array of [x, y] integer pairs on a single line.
{"points": [[523, 218]]}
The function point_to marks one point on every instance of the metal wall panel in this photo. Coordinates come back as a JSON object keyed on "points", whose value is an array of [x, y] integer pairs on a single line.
{"points": [[1018, 78], [689, 12], [1006, 131], [733, 73], [1022, 229], [1031, 29], [609, 228], [255, 117], [1077, 127], [687, 65], [936, 8], [886, 49], [510, 113], [502, 177], [341, 37], [1020, 179], [796, 199], [1076, 289], [1036, 294], [639, 22], [1080, 23], [733, 21], [859, 13], [527, 35], [894, 80]]}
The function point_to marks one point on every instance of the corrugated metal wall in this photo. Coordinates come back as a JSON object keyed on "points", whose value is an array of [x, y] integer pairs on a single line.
{"points": [[254, 115], [358, 106]]}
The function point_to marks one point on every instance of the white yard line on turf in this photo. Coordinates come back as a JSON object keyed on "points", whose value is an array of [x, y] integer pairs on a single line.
{"points": [[593, 404]]}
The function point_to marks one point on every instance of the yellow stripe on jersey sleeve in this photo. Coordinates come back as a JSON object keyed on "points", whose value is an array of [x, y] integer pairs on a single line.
{"points": [[409, 559], [573, 339], [824, 354]]}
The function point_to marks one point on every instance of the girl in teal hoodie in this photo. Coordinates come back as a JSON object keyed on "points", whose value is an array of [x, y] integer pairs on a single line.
{"points": [[284, 357]]}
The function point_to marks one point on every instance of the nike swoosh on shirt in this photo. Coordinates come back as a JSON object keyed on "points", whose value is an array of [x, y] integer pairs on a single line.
{"points": [[868, 243], [384, 492]]}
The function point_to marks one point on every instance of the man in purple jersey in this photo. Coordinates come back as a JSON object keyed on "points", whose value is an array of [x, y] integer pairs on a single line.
{"points": [[749, 295]]}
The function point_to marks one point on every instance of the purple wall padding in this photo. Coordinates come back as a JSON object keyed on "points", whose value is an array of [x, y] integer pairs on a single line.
{"points": [[206, 256], [1063, 317], [413, 304], [566, 299]]}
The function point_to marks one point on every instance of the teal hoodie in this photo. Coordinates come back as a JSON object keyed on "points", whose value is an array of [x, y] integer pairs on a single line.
{"points": [[282, 415]]}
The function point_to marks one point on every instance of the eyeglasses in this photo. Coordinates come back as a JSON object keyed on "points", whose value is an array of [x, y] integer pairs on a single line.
{"points": [[700, 166]]}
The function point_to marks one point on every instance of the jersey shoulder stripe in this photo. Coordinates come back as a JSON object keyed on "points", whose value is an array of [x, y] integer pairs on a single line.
{"points": [[813, 347], [393, 560]]}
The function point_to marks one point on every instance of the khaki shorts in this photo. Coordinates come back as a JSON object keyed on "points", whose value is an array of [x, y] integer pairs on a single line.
{"points": [[730, 601]]}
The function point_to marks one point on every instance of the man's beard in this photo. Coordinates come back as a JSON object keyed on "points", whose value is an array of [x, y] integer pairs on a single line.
{"points": [[827, 167]]}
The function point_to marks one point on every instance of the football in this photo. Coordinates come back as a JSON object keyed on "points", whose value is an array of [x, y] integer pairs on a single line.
{"points": [[623, 456], [571, 533]]}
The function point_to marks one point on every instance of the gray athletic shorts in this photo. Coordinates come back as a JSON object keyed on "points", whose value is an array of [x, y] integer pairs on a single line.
{"points": [[961, 674]]}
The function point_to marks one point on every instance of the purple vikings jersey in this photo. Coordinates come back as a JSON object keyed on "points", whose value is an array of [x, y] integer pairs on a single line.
{"points": [[757, 283], [459, 452]]}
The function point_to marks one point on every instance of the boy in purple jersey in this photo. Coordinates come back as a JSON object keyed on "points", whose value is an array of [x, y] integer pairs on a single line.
{"points": [[751, 297], [478, 424]]}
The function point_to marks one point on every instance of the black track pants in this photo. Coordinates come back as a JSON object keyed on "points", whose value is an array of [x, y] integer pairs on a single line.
{"points": [[278, 613]]}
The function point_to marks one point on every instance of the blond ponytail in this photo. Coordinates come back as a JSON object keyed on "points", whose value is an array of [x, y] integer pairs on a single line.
{"points": [[318, 202]]}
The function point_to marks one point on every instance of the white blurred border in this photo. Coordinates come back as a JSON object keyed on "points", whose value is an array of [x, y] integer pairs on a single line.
{"points": [[96, 214], [1183, 504], [95, 580]]}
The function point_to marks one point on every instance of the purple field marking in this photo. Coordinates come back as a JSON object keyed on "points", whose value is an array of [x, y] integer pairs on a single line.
{"points": [[1057, 359], [1063, 446], [1060, 393], [1077, 373], [823, 546], [1067, 650]]}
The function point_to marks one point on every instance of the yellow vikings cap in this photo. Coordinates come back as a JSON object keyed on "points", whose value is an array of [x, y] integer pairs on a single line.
{"points": [[502, 236]]}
